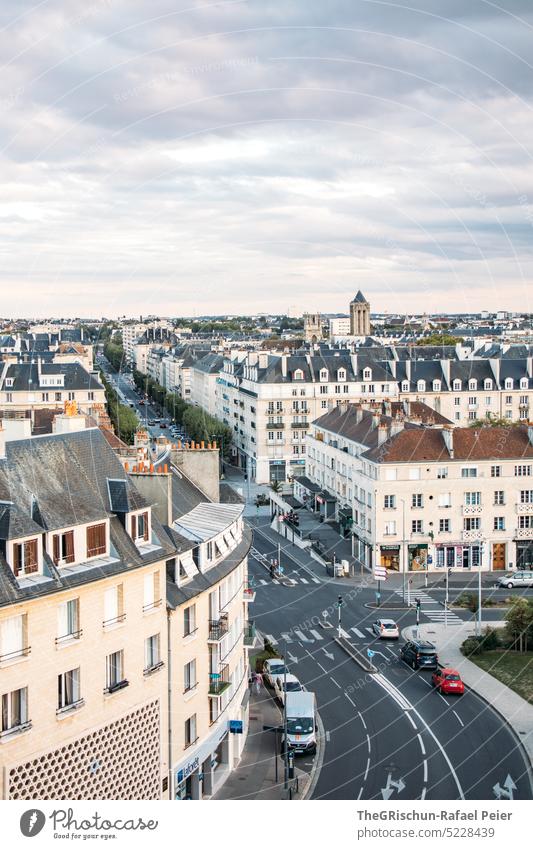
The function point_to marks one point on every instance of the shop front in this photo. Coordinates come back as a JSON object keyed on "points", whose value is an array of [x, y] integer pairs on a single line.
{"points": [[390, 557], [277, 471], [417, 557], [524, 554], [455, 556], [345, 517], [205, 769]]}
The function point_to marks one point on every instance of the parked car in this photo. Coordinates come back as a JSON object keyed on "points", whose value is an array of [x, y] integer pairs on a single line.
{"points": [[448, 680], [386, 629], [420, 654], [516, 579], [273, 667], [286, 684], [301, 723]]}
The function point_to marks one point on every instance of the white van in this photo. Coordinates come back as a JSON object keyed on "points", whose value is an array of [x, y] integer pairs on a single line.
{"points": [[301, 723]]}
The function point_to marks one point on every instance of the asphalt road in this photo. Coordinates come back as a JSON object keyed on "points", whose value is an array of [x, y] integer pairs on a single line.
{"points": [[390, 735]]}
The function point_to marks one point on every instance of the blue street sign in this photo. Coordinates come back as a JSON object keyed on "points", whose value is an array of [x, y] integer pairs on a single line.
{"points": [[370, 653]]}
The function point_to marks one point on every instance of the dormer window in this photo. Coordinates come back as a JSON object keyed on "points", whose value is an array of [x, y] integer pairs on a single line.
{"points": [[298, 374], [436, 386], [472, 384], [421, 386], [405, 386], [457, 386], [341, 374], [508, 382], [96, 540], [140, 527], [523, 383], [9, 381], [63, 548], [487, 384], [367, 374], [324, 374], [26, 557]]}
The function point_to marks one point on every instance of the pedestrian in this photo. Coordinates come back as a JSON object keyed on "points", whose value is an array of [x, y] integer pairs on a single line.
{"points": [[258, 682]]}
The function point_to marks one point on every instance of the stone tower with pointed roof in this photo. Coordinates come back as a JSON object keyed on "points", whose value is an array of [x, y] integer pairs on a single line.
{"points": [[359, 316]]}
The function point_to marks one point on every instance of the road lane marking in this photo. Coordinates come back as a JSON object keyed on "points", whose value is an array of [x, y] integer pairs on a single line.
{"points": [[271, 639], [425, 680], [262, 582], [315, 580], [345, 634], [423, 796], [411, 720], [303, 580], [459, 718], [337, 685], [360, 793], [392, 651], [349, 699], [287, 638], [357, 632], [362, 719], [315, 634], [366, 770], [425, 771], [443, 699], [322, 668], [274, 581], [302, 637], [393, 692], [370, 631], [423, 748], [368, 743], [328, 737]]}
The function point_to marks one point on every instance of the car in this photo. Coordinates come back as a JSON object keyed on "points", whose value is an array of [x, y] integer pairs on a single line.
{"points": [[386, 629], [286, 684], [448, 680], [272, 668], [516, 579], [420, 654]]}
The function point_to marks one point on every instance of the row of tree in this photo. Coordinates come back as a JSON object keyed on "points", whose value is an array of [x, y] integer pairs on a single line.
{"points": [[516, 636], [124, 419], [200, 426], [114, 351]]}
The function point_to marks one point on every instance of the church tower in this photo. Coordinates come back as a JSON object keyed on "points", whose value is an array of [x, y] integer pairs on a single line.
{"points": [[312, 327], [359, 316]]}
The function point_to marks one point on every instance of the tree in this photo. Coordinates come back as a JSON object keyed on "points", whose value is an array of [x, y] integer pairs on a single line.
{"points": [[275, 486], [124, 419], [519, 622], [439, 339]]}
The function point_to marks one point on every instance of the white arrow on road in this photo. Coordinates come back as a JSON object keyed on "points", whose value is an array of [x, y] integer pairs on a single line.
{"points": [[505, 792], [328, 654], [292, 659], [387, 791]]}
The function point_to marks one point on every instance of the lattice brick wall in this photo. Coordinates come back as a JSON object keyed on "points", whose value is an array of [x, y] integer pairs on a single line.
{"points": [[118, 761]]}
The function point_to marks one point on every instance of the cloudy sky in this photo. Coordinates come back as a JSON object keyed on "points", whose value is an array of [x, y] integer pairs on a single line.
{"points": [[185, 157]]}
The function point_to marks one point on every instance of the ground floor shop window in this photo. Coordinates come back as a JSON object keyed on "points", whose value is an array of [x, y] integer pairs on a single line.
{"points": [[417, 556], [390, 557]]}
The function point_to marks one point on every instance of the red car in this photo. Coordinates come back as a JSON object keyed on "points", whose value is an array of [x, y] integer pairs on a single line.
{"points": [[448, 681]]}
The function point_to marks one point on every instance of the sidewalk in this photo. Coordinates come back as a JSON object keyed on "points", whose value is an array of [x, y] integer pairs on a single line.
{"points": [[515, 710], [255, 776]]}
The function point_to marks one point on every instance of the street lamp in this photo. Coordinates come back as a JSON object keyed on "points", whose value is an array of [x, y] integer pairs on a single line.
{"points": [[404, 552]]}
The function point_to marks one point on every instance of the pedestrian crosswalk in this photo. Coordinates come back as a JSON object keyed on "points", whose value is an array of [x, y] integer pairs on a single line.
{"points": [[306, 635], [431, 608], [292, 579]]}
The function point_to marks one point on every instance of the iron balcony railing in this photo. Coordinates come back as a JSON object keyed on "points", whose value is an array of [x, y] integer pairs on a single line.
{"points": [[13, 655], [218, 628], [249, 633], [219, 681]]}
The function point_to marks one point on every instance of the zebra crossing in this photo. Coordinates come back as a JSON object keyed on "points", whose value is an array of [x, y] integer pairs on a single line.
{"points": [[436, 613], [293, 579], [313, 635]]}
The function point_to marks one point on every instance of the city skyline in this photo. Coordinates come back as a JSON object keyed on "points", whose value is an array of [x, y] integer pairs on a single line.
{"points": [[242, 156]]}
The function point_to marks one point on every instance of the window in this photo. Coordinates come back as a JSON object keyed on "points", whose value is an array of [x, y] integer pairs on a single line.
{"points": [[367, 374], [25, 555], [525, 521], [472, 416], [189, 676], [508, 398], [472, 384], [44, 396], [279, 436], [323, 404], [417, 500], [405, 386], [442, 472], [270, 436], [389, 502], [90, 396], [152, 653], [58, 396], [495, 471], [457, 386], [190, 730], [323, 390], [414, 474], [526, 496], [115, 671], [390, 474], [63, 548], [140, 527], [445, 499], [472, 498], [472, 524], [13, 638], [341, 374], [421, 386], [499, 523], [14, 710], [68, 689], [113, 606], [151, 594], [436, 386], [189, 620], [488, 401], [444, 526], [522, 471], [469, 472], [457, 417], [416, 526], [9, 397], [68, 620], [323, 374], [96, 540], [499, 496], [390, 528], [298, 374]]}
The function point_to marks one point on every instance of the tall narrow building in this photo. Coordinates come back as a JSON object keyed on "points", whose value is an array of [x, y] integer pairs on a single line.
{"points": [[359, 316]]}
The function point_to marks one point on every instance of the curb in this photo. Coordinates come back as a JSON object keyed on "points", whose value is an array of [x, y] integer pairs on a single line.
{"points": [[356, 655], [319, 760]]}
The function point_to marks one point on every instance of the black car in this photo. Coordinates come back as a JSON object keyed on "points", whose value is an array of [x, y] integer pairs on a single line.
{"points": [[420, 654]]}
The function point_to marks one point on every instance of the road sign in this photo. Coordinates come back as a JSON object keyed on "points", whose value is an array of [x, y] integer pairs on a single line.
{"points": [[380, 573], [370, 653]]}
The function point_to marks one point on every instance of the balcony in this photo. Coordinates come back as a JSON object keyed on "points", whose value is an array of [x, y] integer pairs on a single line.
{"points": [[524, 533], [524, 509], [218, 628], [299, 425], [472, 510], [275, 425], [219, 681], [249, 634], [15, 655], [248, 593], [471, 536]]}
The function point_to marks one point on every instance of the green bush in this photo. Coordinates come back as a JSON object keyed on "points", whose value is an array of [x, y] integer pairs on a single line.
{"points": [[472, 645], [490, 639]]}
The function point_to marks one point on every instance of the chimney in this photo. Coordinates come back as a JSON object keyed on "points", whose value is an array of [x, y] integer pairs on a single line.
{"points": [[358, 414], [262, 360], [396, 425], [408, 370], [445, 367], [407, 408], [383, 433], [375, 419], [447, 435], [495, 366], [284, 359]]}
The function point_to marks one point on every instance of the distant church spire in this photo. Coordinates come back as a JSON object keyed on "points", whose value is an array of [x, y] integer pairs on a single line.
{"points": [[359, 316]]}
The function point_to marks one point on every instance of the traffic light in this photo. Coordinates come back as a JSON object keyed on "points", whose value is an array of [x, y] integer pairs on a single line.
{"points": [[340, 601], [296, 519], [417, 604]]}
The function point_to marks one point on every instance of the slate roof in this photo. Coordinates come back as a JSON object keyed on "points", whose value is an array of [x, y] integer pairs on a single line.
{"points": [[26, 376], [359, 298], [469, 444]]}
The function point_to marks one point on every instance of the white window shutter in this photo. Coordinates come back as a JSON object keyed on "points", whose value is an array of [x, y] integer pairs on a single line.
{"points": [[110, 604], [11, 635]]}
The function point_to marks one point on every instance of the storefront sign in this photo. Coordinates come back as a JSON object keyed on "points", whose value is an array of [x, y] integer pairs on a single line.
{"points": [[235, 726], [186, 771]]}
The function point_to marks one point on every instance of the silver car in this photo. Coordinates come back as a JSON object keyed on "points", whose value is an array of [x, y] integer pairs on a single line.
{"points": [[516, 579]]}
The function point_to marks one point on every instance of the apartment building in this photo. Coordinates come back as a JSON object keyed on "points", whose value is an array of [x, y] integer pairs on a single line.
{"points": [[270, 401], [427, 497], [130, 334], [204, 386], [31, 386]]}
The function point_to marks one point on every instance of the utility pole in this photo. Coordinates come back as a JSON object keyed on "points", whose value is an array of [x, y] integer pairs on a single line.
{"points": [[418, 618], [286, 746], [479, 590], [340, 602], [446, 598]]}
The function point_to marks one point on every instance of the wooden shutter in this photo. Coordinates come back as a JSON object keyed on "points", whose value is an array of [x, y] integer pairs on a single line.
{"points": [[17, 552], [145, 517], [55, 547], [30, 556], [69, 546], [134, 527], [90, 541]]}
